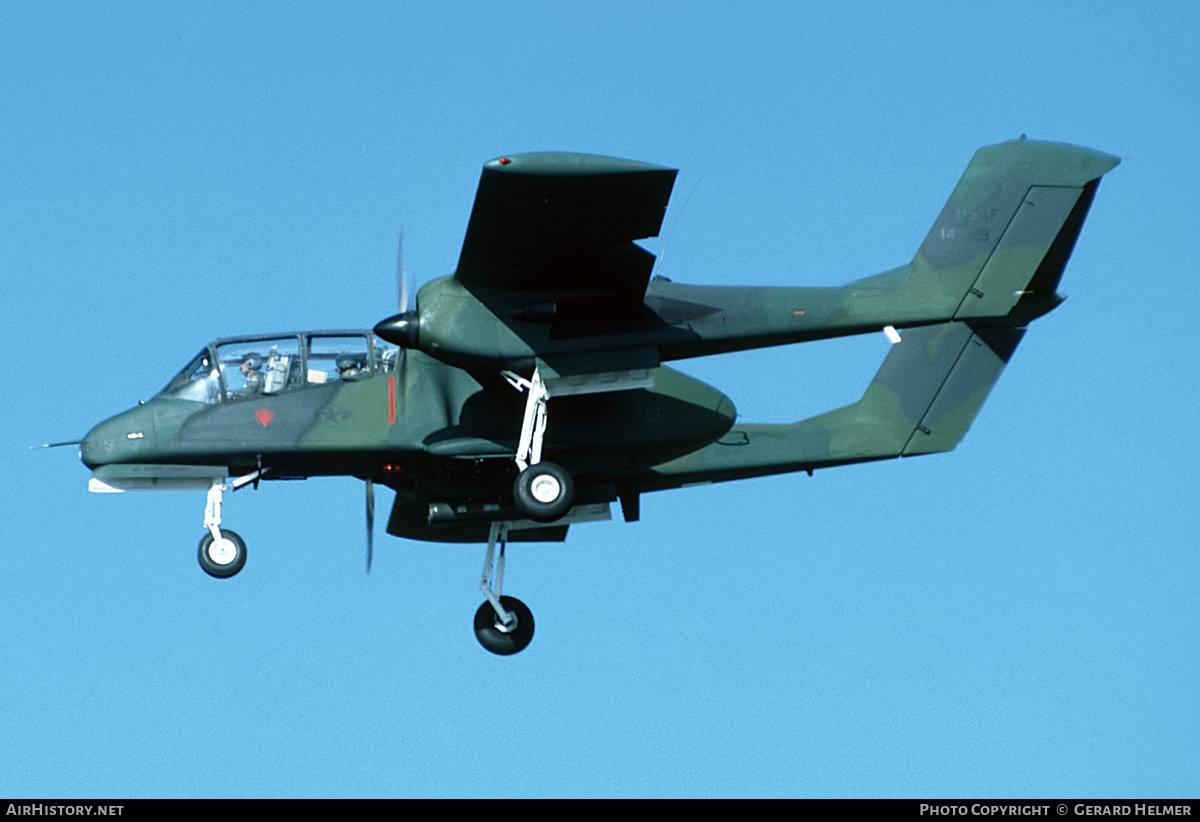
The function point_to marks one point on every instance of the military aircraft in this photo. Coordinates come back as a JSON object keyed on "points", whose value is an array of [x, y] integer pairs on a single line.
{"points": [[527, 391]]}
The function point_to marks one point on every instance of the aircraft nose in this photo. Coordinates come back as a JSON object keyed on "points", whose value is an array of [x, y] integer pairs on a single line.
{"points": [[119, 439], [98, 446]]}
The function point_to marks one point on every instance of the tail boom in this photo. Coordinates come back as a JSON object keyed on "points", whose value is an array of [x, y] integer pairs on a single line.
{"points": [[994, 255]]}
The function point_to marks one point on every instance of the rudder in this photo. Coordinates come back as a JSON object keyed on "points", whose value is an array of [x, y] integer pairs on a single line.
{"points": [[922, 400]]}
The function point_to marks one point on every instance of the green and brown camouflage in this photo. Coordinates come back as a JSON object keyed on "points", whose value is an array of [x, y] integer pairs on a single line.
{"points": [[551, 281]]}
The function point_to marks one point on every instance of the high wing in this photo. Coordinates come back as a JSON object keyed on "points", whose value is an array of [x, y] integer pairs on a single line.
{"points": [[565, 224]]}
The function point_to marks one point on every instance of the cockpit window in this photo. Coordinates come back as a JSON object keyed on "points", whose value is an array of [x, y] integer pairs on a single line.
{"points": [[340, 357], [254, 367], [198, 381], [269, 365]]}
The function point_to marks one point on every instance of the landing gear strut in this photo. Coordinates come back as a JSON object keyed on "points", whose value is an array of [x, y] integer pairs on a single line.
{"points": [[543, 491], [222, 553], [503, 625]]}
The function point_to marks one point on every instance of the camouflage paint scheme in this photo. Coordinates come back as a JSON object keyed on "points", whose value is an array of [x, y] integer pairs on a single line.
{"points": [[550, 278]]}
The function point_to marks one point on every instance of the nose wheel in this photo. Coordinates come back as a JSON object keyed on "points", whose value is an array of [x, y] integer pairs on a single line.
{"points": [[223, 556]]}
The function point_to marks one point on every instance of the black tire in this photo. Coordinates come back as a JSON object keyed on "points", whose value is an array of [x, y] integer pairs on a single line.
{"points": [[504, 642], [544, 492], [224, 561]]}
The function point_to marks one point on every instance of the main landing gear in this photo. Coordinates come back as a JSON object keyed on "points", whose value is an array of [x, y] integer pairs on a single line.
{"points": [[503, 625], [222, 553], [542, 491]]}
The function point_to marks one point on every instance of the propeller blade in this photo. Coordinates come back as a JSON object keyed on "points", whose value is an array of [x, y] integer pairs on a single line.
{"points": [[401, 329], [401, 274], [370, 523]]}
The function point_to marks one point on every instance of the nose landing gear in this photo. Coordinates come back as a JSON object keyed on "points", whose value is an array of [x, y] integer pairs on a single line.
{"points": [[222, 553]]}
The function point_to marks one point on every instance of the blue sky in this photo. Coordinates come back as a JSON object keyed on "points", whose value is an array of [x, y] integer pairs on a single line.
{"points": [[1017, 618]]}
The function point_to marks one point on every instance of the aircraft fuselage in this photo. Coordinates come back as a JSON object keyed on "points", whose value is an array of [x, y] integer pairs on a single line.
{"points": [[414, 413]]}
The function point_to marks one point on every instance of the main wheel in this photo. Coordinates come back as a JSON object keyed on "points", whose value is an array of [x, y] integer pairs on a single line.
{"points": [[544, 492], [222, 557], [495, 637]]}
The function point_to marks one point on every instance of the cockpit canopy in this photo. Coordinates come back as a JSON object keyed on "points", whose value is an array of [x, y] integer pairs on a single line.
{"points": [[236, 368]]}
